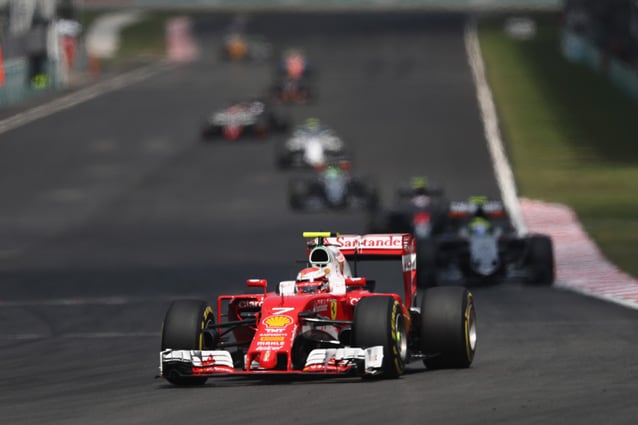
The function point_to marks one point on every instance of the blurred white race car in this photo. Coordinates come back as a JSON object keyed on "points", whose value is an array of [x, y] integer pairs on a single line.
{"points": [[311, 145]]}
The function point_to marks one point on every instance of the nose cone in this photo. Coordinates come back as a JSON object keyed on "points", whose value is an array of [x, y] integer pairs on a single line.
{"points": [[268, 359]]}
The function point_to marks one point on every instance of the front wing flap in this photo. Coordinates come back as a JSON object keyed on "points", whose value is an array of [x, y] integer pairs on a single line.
{"points": [[332, 361]]}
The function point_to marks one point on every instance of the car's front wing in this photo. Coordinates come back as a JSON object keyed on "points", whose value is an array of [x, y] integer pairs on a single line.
{"points": [[331, 361]]}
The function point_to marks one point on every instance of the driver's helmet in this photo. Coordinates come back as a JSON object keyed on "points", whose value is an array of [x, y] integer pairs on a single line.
{"points": [[312, 124], [480, 225], [332, 171], [312, 280], [419, 185]]}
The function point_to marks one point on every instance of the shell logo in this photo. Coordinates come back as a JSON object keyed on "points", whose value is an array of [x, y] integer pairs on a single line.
{"points": [[278, 321]]}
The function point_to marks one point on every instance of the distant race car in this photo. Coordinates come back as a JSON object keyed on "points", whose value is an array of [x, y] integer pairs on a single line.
{"points": [[294, 64], [310, 145], [332, 187], [292, 90], [238, 47], [293, 78], [480, 245], [420, 208], [326, 322], [245, 118]]}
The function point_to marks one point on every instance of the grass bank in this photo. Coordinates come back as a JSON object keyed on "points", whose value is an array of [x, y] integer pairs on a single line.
{"points": [[572, 137], [145, 38]]}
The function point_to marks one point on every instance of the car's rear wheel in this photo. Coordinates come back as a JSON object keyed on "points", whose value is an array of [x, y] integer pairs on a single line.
{"points": [[448, 327], [297, 192], [540, 260], [379, 321], [426, 271], [182, 330]]}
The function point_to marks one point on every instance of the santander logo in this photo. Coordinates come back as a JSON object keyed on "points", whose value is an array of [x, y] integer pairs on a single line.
{"points": [[376, 241]]}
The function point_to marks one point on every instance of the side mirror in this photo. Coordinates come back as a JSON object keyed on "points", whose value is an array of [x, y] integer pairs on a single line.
{"points": [[356, 281], [257, 283]]}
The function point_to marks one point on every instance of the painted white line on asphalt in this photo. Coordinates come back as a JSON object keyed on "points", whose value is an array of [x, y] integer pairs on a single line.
{"points": [[79, 335], [502, 168], [75, 302], [81, 96]]}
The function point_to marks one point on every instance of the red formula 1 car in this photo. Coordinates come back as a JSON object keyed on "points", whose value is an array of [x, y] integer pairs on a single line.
{"points": [[326, 322]]}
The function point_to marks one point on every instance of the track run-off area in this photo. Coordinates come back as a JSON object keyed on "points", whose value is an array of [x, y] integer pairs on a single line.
{"points": [[113, 207]]}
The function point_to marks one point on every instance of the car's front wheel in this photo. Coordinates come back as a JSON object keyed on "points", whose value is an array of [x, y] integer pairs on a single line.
{"points": [[182, 329], [379, 320]]}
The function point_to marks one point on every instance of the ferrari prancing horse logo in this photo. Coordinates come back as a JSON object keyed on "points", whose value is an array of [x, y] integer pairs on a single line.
{"points": [[333, 309]]}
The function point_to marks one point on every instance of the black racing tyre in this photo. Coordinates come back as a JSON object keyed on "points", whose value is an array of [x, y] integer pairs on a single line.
{"points": [[182, 330], [426, 263], [540, 260], [379, 321], [283, 159], [448, 327], [297, 191]]}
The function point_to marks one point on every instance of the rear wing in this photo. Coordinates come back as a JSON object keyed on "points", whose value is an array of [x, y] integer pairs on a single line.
{"points": [[375, 247], [491, 209]]}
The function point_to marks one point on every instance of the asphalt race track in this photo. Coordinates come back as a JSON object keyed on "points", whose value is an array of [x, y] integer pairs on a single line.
{"points": [[113, 208]]}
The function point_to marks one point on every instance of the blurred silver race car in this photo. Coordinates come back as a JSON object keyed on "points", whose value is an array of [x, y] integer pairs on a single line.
{"points": [[310, 145], [481, 246], [245, 118], [332, 187]]}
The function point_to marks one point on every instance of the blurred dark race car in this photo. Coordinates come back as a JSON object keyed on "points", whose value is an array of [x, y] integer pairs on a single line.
{"points": [[420, 208], [239, 47], [480, 245], [293, 78], [311, 145], [294, 64], [292, 90], [245, 118], [332, 187]]}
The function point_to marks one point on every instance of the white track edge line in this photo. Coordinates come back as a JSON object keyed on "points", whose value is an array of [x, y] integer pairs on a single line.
{"points": [[81, 96], [487, 108]]}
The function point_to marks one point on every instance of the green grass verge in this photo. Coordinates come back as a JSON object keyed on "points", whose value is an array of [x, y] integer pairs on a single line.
{"points": [[572, 137], [145, 38]]}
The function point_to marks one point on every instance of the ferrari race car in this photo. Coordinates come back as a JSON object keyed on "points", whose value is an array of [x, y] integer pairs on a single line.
{"points": [[250, 117], [332, 187], [326, 322], [311, 145], [237, 46], [480, 245]]}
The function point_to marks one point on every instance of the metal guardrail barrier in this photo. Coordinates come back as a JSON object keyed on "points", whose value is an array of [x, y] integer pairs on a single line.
{"points": [[578, 49], [328, 4], [17, 87]]}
